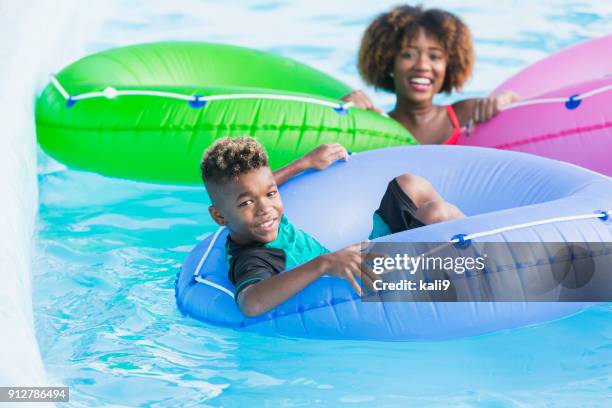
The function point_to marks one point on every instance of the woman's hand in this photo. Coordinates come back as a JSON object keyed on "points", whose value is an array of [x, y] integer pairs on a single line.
{"points": [[487, 108], [361, 100], [324, 155]]}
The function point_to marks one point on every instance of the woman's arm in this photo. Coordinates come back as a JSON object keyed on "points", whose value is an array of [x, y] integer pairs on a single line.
{"points": [[361, 100], [483, 109]]}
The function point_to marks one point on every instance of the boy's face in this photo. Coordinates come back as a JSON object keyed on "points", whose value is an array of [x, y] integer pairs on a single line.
{"points": [[250, 206]]}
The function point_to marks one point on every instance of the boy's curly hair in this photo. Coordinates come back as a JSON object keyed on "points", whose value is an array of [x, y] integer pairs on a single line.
{"points": [[386, 35], [229, 158]]}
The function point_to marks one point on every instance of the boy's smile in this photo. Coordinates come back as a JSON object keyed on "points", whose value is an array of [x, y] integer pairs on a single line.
{"points": [[250, 206]]}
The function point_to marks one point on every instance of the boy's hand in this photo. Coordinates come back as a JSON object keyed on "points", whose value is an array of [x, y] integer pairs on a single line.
{"points": [[487, 108], [318, 159], [346, 264], [324, 155]]}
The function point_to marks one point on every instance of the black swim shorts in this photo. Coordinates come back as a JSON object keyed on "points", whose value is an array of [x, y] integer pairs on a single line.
{"points": [[397, 209]]}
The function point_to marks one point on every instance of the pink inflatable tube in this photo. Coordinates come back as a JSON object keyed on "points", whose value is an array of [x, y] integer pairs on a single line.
{"points": [[572, 123], [579, 63]]}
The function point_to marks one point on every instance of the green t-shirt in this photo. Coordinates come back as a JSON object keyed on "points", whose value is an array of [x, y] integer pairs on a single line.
{"points": [[379, 227], [249, 264]]}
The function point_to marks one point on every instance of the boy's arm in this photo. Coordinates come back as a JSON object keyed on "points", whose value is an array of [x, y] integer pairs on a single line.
{"points": [[269, 293], [319, 158]]}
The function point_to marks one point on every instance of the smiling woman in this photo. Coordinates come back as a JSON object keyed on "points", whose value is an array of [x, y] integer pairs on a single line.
{"points": [[417, 54], [419, 73]]}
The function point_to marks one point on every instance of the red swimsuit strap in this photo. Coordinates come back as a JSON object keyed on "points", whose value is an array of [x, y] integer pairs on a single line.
{"points": [[452, 140]]}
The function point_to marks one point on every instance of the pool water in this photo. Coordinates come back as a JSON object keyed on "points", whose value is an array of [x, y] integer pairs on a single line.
{"points": [[108, 250]]}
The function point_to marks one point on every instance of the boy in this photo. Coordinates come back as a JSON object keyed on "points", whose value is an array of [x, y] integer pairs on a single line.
{"points": [[262, 242]]}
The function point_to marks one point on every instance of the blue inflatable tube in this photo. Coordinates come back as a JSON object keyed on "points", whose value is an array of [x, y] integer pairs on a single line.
{"points": [[515, 197]]}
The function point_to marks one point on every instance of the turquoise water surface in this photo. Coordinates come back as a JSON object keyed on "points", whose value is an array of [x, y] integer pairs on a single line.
{"points": [[108, 250]]}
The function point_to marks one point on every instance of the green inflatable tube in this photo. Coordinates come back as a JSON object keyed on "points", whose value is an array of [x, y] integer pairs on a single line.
{"points": [[147, 112]]}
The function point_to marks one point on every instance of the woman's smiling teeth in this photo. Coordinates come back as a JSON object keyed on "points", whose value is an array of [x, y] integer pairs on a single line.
{"points": [[420, 84], [420, 81]]}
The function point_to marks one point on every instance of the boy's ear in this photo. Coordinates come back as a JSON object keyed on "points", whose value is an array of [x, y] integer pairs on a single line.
{"points": [[216, 215]]}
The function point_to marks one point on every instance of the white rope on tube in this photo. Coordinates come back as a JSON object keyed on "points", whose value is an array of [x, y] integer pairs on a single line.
{"points": [[110, 93]]}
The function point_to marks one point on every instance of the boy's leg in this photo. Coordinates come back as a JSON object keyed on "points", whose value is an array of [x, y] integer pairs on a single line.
{"points": [[430, 206], [437, 211], [418, 189], [397, 209], [411, 202]]}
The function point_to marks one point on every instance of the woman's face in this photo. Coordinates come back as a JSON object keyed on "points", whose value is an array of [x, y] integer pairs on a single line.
{"points": [[419, 68]]}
